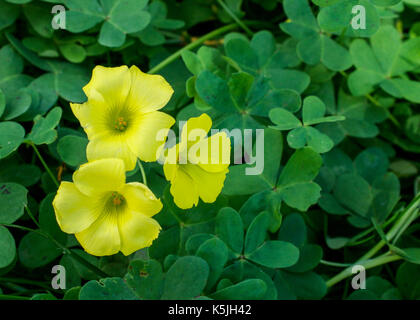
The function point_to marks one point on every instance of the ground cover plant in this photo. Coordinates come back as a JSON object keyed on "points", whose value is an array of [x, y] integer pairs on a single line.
{"points": [[321, 188]]}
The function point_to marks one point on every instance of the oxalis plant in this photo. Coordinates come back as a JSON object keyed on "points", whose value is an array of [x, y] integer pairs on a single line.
{"points": [[229, 149]]}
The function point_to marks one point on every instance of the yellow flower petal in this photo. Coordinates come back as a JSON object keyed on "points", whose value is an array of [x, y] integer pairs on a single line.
{"points": [[141, 199], [209, 184], [102, 238], [148, 92], [73, 210], [111, 147], [143, 138], [112, 83], [189, 130], [137, 231], [170, 169], [100, 176], [184, 190], [217, 157]]}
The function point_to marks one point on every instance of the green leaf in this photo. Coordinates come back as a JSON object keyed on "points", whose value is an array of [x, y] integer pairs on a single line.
{"points": [[283, 119], [146, 278], [308, 285], [8, 14], [295, 182], [293, 230], [354, 192], [186, 278], [120, 18], [275, 254], [313, 110], [66, 79], [36, 250], [382, 64], [408, 280], [251, 289], [230, 229], [24, 174], [309, 257], [313, 47], [72, 150], [8, 247], [11, 136], [371, 163], [237, 182], [257, 232], [215, 253], [48, 221], [13, 199], [107, 289], [43, 131], [241, 270], [335, 18]]}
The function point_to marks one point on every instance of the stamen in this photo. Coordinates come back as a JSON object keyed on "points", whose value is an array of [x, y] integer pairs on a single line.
{"points": [[120, 124], [117, 199]]}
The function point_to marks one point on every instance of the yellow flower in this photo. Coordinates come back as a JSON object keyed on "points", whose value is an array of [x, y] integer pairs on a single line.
{"points": [[197, 166], [106, 214], [120, 116]]}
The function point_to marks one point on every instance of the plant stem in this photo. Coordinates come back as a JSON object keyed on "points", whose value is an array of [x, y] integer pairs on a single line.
{"points": [[235, 18], [412, 209], [192, 45], [367, 264], [54, 179], [66, 250], [143, 174], [28, 211], [334, 264]]}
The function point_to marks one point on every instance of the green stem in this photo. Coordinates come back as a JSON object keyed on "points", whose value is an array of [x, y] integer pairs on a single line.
{"points": [[334, 264], [367, 264], [143, 174], [66, 250], [28, 211], [20, 227], [191, 46], [235, 18], [412, 209], [54, 179]]}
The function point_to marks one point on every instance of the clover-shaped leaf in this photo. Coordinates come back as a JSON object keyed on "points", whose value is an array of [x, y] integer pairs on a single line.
{"points": [[365, 189], [383, 63], [151, 35], [302, 134], [241, 99], [313, 46], [63, 79], [360, 118], [43, 130], [338, 17], [119, 17]]}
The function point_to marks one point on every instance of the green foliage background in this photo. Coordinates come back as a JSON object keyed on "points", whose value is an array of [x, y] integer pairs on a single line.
{"points": [[340, 110]]}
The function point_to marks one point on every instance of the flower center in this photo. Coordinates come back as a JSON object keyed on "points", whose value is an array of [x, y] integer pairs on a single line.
{"points": [[117, 199], [120, 124]]}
